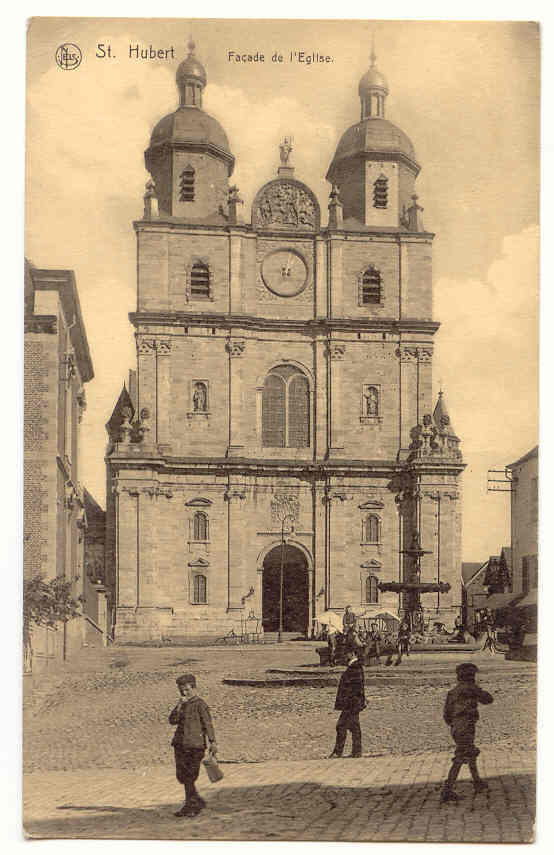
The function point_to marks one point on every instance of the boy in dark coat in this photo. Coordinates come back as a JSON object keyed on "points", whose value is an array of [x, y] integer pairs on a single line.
{"points": [[461, 715], [194, 726], [350, 701]]}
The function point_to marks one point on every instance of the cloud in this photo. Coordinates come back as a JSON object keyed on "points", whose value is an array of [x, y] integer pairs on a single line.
{"points": [[487, 360], [86, 177], [255, 142]]}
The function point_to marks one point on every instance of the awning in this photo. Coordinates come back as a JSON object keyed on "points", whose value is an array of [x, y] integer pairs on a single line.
{"points": [[530, 599], [330, 619], [499, 601]]}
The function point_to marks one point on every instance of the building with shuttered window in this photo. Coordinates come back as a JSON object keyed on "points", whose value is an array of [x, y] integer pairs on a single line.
{"points": [[281, 411]]}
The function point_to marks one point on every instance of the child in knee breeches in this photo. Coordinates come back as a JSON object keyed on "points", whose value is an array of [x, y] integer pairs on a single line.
{"points": [[461, 715], [194, 730]]}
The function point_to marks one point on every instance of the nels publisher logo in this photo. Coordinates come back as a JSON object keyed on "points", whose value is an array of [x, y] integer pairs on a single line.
{"points": [[68, 56]]}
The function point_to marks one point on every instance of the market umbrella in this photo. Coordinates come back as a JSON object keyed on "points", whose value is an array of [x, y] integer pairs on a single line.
{"points": [[385, 614], [331, 619]]}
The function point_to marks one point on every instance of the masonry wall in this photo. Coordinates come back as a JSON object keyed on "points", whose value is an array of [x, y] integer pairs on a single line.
{"points": [[161, 556], [40, 445]]}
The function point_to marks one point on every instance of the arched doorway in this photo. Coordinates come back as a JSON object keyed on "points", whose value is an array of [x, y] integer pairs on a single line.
{"points": [[295, 590]]}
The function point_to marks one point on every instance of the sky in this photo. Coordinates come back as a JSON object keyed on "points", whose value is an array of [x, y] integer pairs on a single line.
{"points": [[467, 94]]}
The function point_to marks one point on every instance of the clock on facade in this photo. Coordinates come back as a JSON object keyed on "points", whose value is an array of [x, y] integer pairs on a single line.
{"points": [[285, 272]]}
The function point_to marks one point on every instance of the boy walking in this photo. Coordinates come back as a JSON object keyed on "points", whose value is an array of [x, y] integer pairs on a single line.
{"points": [[461, 715], [194, 726]]}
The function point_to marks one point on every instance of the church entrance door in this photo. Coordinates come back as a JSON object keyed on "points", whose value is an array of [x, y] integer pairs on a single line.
{"points": [[295, 590]]}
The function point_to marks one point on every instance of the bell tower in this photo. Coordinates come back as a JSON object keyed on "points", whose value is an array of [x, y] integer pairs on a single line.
{"points": [[188, 156], [375, 166]]}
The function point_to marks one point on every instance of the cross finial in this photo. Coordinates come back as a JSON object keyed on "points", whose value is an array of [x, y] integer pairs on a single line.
{"points": [[191, 45], [373, 55]]}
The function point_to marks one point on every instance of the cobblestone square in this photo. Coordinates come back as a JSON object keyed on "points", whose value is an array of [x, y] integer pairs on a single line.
{"points": [[113, 776]]}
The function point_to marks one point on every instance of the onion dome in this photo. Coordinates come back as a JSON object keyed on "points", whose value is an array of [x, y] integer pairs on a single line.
{"points": [[189, 126], [373, 135], [190, 71], [373, 80]]}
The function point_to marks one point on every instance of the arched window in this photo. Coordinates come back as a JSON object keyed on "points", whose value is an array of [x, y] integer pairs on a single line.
{"points": [[200, 281], [186, 185], [286, 409], [381, 192], [199, 588], [371, 590], [200, 526], [370, 286], [371, 529]]}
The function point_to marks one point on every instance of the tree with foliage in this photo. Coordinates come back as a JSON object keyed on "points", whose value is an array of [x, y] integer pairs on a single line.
{"points": [[46, 604]]}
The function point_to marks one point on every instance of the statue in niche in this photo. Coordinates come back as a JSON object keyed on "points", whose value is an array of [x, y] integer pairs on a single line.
{"points": [[371, 401], [200, 398]]}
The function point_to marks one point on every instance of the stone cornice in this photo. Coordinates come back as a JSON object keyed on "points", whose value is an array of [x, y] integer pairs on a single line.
{"points": [[63, 281], [307, 470], [312, 326], [395, 156], [165, 147], [167, 223]]}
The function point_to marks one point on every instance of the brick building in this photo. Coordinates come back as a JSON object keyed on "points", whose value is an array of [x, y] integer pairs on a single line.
{"points": [[283, 386], [57, 367]]}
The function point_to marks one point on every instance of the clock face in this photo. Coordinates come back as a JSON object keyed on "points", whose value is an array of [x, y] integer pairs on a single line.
{"points": [[284, 272]]}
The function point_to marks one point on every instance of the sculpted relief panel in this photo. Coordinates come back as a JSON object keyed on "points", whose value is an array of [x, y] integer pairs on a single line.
{"points": [[285, 205]]}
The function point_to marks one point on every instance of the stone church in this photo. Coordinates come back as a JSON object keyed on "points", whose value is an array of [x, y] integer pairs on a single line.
{"points": [[279, 427]]}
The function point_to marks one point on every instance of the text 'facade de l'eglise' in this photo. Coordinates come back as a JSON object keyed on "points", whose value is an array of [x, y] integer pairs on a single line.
{"points": [[283, 386]]}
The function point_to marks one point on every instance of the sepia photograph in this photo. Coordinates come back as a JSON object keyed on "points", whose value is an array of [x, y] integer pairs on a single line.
{"points": [[281, 496]]}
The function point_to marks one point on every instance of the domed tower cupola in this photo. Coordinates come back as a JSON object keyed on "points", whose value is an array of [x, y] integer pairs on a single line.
{"points": [[373, 90], [374, 167], [191, 79], [189, 156]]}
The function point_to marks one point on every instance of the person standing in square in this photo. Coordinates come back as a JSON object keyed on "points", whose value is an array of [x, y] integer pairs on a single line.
{"points": [[350, 701], [194, 729]]}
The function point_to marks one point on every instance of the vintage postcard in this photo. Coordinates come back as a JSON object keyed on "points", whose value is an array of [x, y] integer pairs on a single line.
{"points": [[281, 461]]}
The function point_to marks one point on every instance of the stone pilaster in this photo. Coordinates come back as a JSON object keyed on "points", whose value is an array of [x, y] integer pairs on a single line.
{"points": [[235, 496], [235, 287], [235, 349], [335, 534], [335, 279], [320, 278], [408, 368], [147, 588], [147, 379], [127, 501], [336, 352], [163, 387]]}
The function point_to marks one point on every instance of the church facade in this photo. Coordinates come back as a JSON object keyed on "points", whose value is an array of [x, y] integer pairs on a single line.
{"points": [[279, 428]]}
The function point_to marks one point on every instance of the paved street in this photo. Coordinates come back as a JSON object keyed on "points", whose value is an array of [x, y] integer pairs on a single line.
{"points": [[98, 762], [393, 798]]}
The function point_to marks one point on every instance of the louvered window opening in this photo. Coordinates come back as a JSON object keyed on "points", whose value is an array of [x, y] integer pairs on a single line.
{"points": [[200, 527], [371, 590], [371, 287], [186, 186], [199, 593], [371, 529], [286, 409], [200, 281], [380, 193]]}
